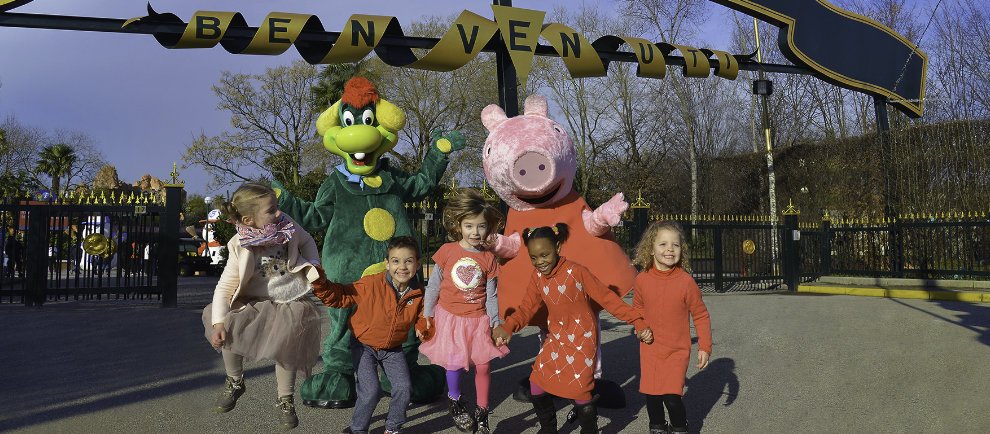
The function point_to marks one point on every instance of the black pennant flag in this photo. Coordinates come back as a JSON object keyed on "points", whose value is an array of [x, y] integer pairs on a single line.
{"points": [[845, 48]]}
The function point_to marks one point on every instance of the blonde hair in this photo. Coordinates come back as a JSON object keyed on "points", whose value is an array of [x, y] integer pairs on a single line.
{"points": [[467, 202], [644, 249], [245, 200]]}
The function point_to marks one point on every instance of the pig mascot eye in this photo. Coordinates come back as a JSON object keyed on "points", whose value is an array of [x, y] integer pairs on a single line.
{"points": [[348, 118], [368, 117]]}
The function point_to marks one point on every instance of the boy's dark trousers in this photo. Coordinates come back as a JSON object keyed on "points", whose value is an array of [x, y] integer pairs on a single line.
{"points": [[366, 362]]}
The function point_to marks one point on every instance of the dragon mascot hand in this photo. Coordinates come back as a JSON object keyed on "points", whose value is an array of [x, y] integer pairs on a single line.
{"points": [[361, 207], [530, 162]]}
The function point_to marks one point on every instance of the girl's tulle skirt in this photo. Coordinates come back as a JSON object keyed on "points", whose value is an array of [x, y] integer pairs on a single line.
{"points": [[461, 342], [287, 333]]}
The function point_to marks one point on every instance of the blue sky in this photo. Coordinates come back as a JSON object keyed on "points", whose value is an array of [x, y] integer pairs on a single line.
{"points": [[142, 104]]}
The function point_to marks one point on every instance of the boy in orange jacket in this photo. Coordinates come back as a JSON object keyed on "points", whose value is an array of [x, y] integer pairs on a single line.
{"points": [[388, 305]]}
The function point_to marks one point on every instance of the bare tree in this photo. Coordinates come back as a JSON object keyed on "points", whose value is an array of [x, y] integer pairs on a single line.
{"points": [[273, 124]]}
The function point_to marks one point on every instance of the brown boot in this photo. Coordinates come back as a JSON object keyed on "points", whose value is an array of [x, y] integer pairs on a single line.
{"points": [[287, 412], [232, 389]]}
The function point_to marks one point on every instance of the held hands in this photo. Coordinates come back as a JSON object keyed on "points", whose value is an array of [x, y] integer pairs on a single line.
{"points": [[449, 142], [500, 337], [320, 282], [424, 335], [645, 335], [219, 336], [703, 358]]}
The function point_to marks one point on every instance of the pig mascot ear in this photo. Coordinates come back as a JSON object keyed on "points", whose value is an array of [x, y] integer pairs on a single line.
{"points": [[492, 116], [536, 105]]}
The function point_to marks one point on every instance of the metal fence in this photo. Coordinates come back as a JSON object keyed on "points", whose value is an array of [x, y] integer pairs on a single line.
{"points": [[89, 247], [954, 246]]}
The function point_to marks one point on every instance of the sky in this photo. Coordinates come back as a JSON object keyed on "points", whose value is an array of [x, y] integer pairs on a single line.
{"points": [[142, 104]]}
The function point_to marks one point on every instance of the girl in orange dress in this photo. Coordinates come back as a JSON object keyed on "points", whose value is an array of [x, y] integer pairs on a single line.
{"points": [[669, 299], [566, 363]]}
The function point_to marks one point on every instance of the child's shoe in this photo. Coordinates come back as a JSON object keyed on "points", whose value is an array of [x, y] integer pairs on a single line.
{"points": [[546, 413], [232, 389], [678, 429], [287, 412], [481, 417], [462, 419], [587, 416], [659, 428]]}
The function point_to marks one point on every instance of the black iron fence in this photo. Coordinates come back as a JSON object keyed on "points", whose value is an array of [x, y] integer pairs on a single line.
{"points": [[944, 246], [90, 247], [44, 253]]}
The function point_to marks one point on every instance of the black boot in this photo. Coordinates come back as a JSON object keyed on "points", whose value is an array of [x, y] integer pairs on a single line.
{"points": [[587, 416], [545, 413], [481, 418], [679, 429], [462, 418]]}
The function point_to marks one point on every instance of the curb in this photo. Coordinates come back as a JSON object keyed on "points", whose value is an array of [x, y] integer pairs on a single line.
{"points": [[920, 294], [891, 281]]}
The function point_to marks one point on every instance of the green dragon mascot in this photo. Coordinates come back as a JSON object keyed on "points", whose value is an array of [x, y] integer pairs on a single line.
{"points": [[361, 206]]}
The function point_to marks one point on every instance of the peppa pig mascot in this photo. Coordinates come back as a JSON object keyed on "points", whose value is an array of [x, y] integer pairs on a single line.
{"points": [[530, 162]]}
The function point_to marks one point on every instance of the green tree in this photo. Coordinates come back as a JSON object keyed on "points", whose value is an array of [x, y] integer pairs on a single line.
{"points": [[56, 161], [331, 82]]}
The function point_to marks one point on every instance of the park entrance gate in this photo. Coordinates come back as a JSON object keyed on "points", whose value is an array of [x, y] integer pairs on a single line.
{"points": [[90, 247]]}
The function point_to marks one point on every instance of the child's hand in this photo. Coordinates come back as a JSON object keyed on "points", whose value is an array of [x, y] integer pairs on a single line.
{"points": [[419, 335], [219, 336], [429, 322], [500, 337], [321, 281], [646, 335], [703, 357]]}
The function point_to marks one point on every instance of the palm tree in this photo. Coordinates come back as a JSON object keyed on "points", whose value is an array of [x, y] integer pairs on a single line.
{"points": [[332, 78], [57, 161]]}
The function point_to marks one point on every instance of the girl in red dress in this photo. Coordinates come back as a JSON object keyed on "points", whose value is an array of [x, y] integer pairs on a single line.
{"points": [[668, 296], [566, 363]]}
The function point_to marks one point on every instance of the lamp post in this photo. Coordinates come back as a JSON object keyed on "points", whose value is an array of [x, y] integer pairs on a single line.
{"points": [[764, 88]]}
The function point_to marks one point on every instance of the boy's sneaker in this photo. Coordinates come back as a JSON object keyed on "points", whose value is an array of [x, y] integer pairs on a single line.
{"points": [[481, 417], [287, 412], [232, 389], [462, 419], [659, 428]]}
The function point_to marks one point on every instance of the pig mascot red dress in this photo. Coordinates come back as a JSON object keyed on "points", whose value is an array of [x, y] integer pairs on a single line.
{"points": [[530, 162]]}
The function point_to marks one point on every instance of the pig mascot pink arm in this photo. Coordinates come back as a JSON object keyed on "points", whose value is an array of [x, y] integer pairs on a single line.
{"points": [[530, 162]]}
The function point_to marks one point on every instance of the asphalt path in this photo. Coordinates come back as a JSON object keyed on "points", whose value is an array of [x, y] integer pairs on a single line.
{"points": [[782, 363]]}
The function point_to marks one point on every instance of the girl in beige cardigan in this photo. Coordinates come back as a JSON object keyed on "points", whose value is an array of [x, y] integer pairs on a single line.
{"points": [[259, 308]]}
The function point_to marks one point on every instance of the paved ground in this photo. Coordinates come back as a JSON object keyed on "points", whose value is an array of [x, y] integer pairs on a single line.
{"points": [[782, 364]]}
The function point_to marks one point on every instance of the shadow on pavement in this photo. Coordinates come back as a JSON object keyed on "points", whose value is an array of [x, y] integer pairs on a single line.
{"points": [[707, 387]]}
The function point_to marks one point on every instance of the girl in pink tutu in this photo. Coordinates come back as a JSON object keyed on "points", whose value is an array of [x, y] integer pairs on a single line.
{"points": [[259, 308], [463, 281]]}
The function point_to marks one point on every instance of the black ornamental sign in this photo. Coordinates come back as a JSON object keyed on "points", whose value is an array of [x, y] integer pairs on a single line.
{"points": [[840, 47]]}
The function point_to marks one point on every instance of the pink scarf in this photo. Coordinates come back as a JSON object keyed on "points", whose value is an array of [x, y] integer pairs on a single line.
{"points": [[272, 234]]}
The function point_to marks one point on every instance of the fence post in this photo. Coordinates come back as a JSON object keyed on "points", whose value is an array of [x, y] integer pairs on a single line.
{"points": [[826, 246], [640, 220], [36, 255], [897, 245], [790, 249], [168, 246], [717, 247]]}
